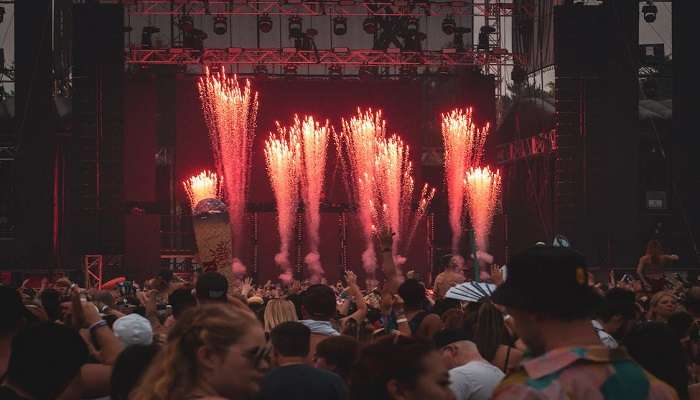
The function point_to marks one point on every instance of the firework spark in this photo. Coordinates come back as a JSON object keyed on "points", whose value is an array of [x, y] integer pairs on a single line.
{"points": [[282, 157], [357, 148], [206, 185], [483, 192], [464, 147], [314, 145], [230, 110]]}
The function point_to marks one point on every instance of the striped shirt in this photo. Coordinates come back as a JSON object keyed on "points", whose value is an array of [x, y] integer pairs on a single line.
{"points": [[588, 372]]}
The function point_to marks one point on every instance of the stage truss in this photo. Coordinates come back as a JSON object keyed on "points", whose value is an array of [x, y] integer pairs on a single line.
{"points": [[343, 57], [319, 8]]}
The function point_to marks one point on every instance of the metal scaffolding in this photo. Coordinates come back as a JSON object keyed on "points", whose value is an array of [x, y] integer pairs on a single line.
{"points": [[447, 57], [316, 8]]}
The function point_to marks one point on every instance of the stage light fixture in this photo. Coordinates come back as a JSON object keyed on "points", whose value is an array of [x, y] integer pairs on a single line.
{"points": [[220, 25], [290, 69], [443, 70], [335, 71], [412, 25], [2, 14], [366, 72], [260, 71], [369, 25], [194, 39], [265, 23], [484, 33], [147, 36], [449, 25], [649, 10], [408, 71], [294, 27], [186, 23], [340, 25]]}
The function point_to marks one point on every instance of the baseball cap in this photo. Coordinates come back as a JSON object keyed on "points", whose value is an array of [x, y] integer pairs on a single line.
{"points": [[211, 286], [550, 280], [133, 329]]}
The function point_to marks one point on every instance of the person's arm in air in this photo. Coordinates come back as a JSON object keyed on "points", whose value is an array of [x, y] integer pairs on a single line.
{"points": [[356, 294], [110, 345], [386, 239]]}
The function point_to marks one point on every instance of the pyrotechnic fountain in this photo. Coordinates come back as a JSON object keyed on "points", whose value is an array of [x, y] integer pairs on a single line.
{"points": [[357, 150], [394, 192], [230, 110], [483, 192], [464, 147], [282, 157], [314, 145]]}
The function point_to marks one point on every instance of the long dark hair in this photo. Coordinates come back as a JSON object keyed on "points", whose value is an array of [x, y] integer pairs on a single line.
{"points": [[654, 250], [490, 331], [654, 346], [392, 357]]}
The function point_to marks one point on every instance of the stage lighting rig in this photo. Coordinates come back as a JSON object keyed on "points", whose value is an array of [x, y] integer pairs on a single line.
{"points": [[340, 25], [194, 39], [458, 39], [265, 23], [370, 25], [408, 71], [290, 69], [147, 36], [484, 33], [186, 23], [411, 25], [220, 25], [335, 71], [449, 25], [260, 71], [649, 10], [294, 27]]}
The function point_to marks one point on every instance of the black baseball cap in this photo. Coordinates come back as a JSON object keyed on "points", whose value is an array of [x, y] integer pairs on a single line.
{"points": [[211, 286], [547, 279]]}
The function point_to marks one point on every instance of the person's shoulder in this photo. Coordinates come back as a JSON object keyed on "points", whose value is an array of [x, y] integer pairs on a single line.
{"points": [[660, 390], [514, 387]]}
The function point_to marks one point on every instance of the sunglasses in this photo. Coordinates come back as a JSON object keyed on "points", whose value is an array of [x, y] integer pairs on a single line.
{"points": [[257, 354]]}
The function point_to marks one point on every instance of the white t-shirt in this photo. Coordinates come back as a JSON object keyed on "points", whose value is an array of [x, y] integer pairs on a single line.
{"points": [[475, 380]]}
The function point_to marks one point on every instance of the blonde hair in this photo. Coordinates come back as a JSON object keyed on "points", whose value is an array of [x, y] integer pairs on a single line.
{"points": [[278, 311], [655, 300], [175, 373]]}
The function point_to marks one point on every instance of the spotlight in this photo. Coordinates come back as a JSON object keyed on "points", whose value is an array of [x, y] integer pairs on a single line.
{"points": [[412, 25], [649, 11], [369, 25], [290, 69], [295, 27], [449, 25], [443, 70], [265, 23], [147, 36], [2, 14], [340, 25], [186, 23], [335, 71], [220, 25]]}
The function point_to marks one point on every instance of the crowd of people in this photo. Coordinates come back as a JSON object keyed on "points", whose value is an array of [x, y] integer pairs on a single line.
{"points": [[548, 331]]}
